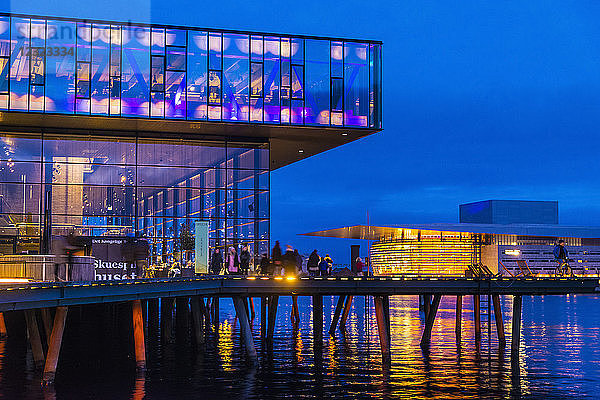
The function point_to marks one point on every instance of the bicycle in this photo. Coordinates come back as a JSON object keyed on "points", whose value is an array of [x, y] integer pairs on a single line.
{"points": [[563, 268]]}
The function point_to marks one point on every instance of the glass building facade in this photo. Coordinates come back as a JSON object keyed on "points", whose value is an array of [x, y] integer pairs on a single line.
{"points": [[123, 186], [68, 66]]}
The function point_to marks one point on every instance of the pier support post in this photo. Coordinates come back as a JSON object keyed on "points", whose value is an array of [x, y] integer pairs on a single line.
{"points": [[54, 346], [138, 334], [499, 321], [197, 319], [458, 325], [336, 315], [3, 332], [206, 308], [182, 310], [166, 317], [347, 307], [386, 313], [153, 317], [263, 317], [426, 339], [477, 317], [317, 303], [246, 332], [273, 303], [33, 333], [382, 328], [295, 313], [426, 304], [251, 304], [47, 321], [216, 313], [516, 328]]}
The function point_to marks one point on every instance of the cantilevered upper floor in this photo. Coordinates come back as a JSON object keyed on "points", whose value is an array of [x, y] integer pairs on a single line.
{"points": [[306, 94]]}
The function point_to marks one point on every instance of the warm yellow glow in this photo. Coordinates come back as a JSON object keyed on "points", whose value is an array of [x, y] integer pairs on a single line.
{"points": [[290, 278], [14, 280], [278, 278], [512, 252]]}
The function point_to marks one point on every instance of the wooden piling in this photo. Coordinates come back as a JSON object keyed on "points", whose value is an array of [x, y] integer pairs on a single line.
{"points": [[216, 313], [499, 320], [426, 338], [33, 333], [458, 325], [477, 317], [182, 310], [386, 313], [56, 336], [252, 312], [166, 317], [47, 321], [246, 332], [516, 328], [197, 319], [382, 328], [3, 332], [206, 308], [273, 303], [295, 312], [336, 315], [317, 303], [263, 317], [347, 307], [426, 304], [138, 334], [153, 317]]}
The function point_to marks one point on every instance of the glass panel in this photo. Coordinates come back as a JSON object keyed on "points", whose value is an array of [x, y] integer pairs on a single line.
{"points": [[36, 98], [297, 81], [4, 36], [247, 155], [20, 198], [356, 84], [20, 172], [271, 80], [194, 177], [4, 67], [235, 77], [256, 45], [158, 74], [214, 87], [111, 150], [60, 67], [83, 80], [297, 112], [157, 109], [375, 86], [84, 38], [158, 41], [135, 76], [81, 171], [115, 70], [176, 59], [214, 61], [100, 89], [256, 74], [22, 147], [78, 201], [196, 75], [337, 94], [256, 110], [175, 37], [175, 95], [180, 153], [297, 50], [317, 82], [19, 61], [337, 66]]}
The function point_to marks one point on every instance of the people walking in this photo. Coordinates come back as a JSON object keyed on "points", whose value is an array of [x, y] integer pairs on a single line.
{"points": [[359, 266], [299, 262], [265, 265], [233, 262], [245, 260], [288, 261], [329, 264], [276, 257], [323, 267], [216, 262], [313, 263]]}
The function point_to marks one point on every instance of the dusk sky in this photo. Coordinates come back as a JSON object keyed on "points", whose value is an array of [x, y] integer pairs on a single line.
{"points": [[482, 100]]}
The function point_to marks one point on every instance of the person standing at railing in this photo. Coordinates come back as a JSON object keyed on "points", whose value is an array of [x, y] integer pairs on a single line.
{"points": [[560, 253], [216, 262], [313, 263], [245, 261], [276, 257], [233, 263], [359, 266], [299, 261]]}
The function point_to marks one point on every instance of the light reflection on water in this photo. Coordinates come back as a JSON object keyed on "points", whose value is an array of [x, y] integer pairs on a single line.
{"points": [[560, 358]]}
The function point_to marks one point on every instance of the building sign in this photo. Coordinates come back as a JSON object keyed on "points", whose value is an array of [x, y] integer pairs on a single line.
{"points": [[201, 247], [109, 263]]}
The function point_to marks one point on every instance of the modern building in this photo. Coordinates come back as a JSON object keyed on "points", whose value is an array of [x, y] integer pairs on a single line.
{"points": [[452, 249], [118, 131]]}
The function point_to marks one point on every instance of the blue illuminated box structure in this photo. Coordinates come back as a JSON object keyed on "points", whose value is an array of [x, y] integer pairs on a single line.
{"points": [[509, 212]]}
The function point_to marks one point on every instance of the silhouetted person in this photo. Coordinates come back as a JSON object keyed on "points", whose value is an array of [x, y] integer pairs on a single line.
{"points": [[298, 261], [265, 265], [313, 263], [276, 257], [288, 261], [245, 260], [232, 262], [216, 263], [359, 266]]}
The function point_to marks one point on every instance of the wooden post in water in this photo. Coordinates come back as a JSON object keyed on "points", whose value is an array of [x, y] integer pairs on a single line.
{"points": [[347, 307], [47, 321], [182, 310], [499, 321], [197, 319], [263, 317], [206, 308], [240, 310], [516, 328], [477, 319], [54, 346], [336, 315], [295, 312], [382, 327], [3, 332], [317, 303], [153, 317], [273, 303], [426, 304], [33, 333], [458, 327], [166, 317], [386, 313], [138, 334], [426, 338], [216, 313], [252, 313]]}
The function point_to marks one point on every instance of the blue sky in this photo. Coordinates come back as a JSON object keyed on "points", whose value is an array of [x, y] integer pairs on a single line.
{"points": [[481, 100]]}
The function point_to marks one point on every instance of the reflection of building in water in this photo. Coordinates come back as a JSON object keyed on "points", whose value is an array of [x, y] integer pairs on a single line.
{"points": [[113, 130], [510, 237]]}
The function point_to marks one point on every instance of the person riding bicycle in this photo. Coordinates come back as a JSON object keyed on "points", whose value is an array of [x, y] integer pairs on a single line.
{"points": [[561, 254]]}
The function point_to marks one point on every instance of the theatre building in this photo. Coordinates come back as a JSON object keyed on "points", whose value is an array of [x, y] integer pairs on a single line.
{"points": [[116, 139], [509, 237]]}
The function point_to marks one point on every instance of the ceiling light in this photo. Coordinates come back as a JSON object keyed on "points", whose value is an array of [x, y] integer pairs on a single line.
{"points": [[300, 151]]}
